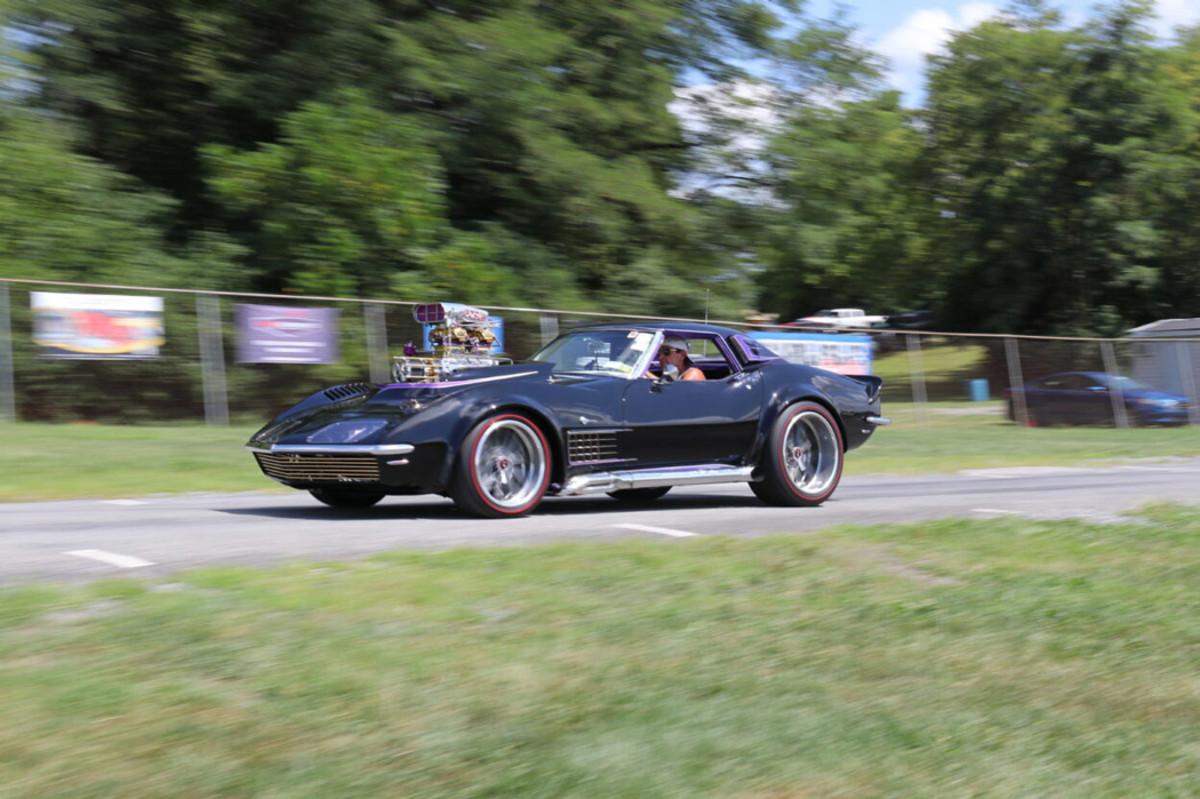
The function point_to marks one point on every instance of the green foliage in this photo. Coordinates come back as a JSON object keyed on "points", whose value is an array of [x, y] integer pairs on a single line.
{"points": [[348, 197], [68, 217], [1051, 149], [370, 146], [851, 226], [524, 152]]}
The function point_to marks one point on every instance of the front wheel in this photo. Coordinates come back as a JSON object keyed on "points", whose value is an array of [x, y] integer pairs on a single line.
{"points": [[341, 498], [503, 468], [803, 460]]}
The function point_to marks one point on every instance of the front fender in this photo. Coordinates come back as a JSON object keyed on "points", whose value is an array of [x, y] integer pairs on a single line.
{"points": [[452, 421]]}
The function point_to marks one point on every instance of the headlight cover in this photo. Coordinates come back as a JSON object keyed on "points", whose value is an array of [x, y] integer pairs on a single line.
{"points": [[350, 431]]}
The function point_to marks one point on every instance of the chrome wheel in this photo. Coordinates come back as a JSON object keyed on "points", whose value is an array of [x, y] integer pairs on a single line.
{"points": [[811, 453], [506, 467], [802, 463]]}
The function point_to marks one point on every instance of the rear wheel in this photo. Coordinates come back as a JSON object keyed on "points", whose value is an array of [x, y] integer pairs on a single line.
{"points": [[639, 494], [803, 461], [503, 469], [343, 498]]}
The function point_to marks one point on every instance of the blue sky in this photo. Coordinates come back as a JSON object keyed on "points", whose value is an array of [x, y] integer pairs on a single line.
{"points": [[905, 30]]}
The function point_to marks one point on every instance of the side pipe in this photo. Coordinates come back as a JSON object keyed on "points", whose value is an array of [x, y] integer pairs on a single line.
{"points": [[603, 482]]}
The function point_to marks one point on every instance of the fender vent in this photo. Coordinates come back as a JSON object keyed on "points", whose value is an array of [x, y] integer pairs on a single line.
{"points": [[348, 390], [587, 447]]}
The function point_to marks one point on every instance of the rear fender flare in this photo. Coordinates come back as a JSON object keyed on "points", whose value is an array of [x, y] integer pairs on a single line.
{"points": [[779, 401]]}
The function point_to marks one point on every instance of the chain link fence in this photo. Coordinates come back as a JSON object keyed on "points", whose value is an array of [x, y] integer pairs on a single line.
{"points": [[196, 373]]}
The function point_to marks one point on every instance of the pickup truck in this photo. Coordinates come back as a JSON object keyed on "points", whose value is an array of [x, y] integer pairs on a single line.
{"points": [[839, 317]]}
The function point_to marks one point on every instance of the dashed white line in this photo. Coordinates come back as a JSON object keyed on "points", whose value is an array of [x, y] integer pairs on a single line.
{"points": [[111, 558], [123, 502], [660, 530]]}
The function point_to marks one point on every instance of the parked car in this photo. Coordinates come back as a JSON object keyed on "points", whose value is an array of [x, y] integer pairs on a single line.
{"points": [[580, 417], [911, 320], [839, 317], [1088, 398]]}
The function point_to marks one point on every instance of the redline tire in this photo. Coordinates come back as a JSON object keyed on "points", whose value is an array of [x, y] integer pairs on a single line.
{"points": [[503, 469], [803, 462]]}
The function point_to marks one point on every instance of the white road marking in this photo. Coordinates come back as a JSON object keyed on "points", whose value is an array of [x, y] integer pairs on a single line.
{"points": [[645, 528], [997, 511], [111, 558], [123, 502]]}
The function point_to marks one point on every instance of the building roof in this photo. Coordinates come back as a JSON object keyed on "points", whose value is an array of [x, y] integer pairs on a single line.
{"points": [[1168, 327]]}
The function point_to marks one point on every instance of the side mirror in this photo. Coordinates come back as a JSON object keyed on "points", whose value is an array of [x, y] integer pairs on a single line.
{"points": [[670, 373]]}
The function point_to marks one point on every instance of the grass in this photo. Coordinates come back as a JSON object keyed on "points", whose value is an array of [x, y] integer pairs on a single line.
{"points": [[949, 437], [48, 461], [946, 367], [44, 461], [952, 659]]}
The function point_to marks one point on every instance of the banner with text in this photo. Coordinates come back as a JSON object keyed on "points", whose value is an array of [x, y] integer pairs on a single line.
{"points": [[844, 354], [277, 334], [96, 326]]}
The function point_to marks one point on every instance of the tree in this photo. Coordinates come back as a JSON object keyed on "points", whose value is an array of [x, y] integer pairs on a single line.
{"points": [[1044, 141], [547, 121], [347, 197]]}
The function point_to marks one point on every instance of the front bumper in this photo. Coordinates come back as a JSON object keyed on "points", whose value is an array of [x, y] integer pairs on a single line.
{"points": [[391, 468]]}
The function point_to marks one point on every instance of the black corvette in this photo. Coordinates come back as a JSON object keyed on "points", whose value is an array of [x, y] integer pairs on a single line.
{"points": [[587, 414]]}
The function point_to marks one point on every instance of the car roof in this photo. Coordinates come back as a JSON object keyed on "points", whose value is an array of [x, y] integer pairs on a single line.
{"points": [[697, 328]]}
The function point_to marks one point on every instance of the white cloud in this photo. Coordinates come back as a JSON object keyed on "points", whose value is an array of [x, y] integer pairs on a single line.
{"points": [[927, 30], [924, 32], [1174, 13]]}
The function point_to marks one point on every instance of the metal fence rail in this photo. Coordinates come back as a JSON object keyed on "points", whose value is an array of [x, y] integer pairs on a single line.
{"points": [[197, 375]]}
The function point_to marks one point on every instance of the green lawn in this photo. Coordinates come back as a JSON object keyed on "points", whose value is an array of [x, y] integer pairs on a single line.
{"points": [[1004, 658], [43, 461]]}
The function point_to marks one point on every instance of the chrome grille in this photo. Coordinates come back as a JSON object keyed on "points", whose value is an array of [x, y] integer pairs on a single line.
{"points": [[592, 446], [319, 468]]}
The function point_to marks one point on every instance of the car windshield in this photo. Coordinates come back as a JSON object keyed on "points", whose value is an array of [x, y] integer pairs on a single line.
{"points": [[612, 352], [1124, 383]]}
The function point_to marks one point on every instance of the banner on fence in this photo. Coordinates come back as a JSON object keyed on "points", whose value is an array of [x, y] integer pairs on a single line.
{"points": [[278, 334], [94, 326], [845, 354]]}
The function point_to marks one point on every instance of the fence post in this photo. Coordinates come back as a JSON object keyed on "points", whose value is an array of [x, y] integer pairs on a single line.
{"points": [[1187, 379], [1115, 394], [8, 393], [549, 328], [375, 322], [916, 372], [1016, 382], [212, 360]]}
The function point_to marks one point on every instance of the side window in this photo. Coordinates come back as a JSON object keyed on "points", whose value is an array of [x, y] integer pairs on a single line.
{"points": [[710, 356]]}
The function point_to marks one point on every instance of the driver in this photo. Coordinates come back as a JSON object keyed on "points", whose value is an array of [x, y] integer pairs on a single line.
{"points": [[674, 352]]}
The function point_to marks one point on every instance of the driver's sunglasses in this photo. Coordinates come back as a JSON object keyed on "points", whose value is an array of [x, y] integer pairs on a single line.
{"points": [[668, 351]]}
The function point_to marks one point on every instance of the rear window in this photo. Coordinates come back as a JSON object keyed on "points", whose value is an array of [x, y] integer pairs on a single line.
{"points": [[752, 350]]}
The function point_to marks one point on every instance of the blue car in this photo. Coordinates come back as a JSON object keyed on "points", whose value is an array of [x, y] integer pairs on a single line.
{"points": [[1089, 398]]}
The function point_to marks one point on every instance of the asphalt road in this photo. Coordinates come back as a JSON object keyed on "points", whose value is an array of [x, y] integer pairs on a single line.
{"points": [[157, 536]]}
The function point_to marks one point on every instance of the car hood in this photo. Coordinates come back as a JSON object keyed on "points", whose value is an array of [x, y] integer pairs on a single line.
{"points": [[370, 414], [1152, 394]]}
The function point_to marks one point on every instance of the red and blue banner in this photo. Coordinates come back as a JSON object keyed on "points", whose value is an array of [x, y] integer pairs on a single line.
{"points": [[97, 326]]}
